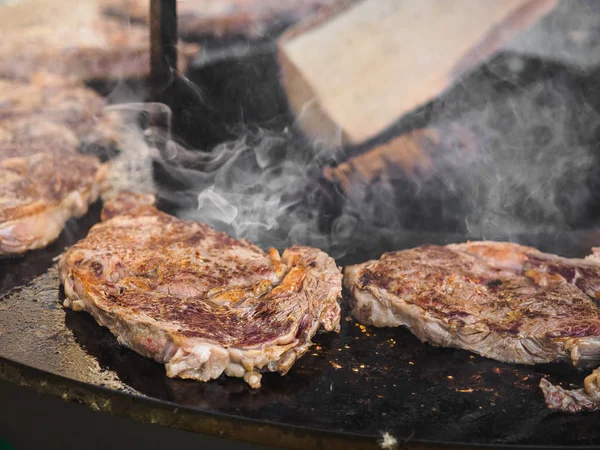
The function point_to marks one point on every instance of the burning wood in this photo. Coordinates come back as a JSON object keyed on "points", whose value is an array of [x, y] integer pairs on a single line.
{"points": [[411, 154], [361, 69]]}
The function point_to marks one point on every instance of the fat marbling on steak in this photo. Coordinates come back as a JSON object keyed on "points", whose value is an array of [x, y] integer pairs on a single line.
{"points": [[503, 301], [195, 299]]}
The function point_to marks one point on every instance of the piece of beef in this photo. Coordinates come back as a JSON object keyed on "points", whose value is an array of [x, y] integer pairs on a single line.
{"points": [[500, 300], [54, 112], [44, 181], [102, 49], [195, 299], [34, 131], [6, 134], [573, 401], [40, 191], [63, 100]]}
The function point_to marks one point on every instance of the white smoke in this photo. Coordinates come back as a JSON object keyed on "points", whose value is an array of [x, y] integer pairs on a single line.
{"points": [[257, 187], [131, 169]]}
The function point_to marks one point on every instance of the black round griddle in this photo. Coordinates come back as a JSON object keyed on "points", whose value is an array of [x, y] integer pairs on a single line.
{"points": [[347, 391]]}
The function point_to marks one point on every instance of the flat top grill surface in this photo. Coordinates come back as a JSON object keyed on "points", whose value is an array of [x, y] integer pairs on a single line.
{"points": [[364, 381]]}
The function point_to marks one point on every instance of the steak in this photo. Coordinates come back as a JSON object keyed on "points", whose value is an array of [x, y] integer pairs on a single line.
{"points": [[51, 111], [573, 401], [66, 101], [195, 299], [40, 191], [44, 181], [503, 301], [39, 131]]}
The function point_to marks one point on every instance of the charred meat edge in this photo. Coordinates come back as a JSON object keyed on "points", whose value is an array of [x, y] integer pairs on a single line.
{"points": [[576, 400], [201, 359]]}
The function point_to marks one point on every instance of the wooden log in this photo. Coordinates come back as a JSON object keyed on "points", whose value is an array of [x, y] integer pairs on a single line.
{"points": [[409, 155], [360, 69]]}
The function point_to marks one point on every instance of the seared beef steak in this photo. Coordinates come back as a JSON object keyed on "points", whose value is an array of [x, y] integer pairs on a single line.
{"points": [[53, 112], [43, 180], [39, 192], [500, 300], [196, 299], [587, 399]]}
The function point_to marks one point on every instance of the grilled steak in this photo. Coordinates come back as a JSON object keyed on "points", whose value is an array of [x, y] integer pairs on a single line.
{"points": [[39, 192], [65, 100], [40, 131], [6, 134], [196, 299], [103, 49], [43, 180], [54, 112], [503, 301], [573, 401]]}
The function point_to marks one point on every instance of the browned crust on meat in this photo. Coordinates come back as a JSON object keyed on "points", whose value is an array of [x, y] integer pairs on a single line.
{"points": [[44, 181], [29, 135], [126, 202], [39, 193], [59, 98], [501, 300], [196, 299], [31, 185], [53, 113]]}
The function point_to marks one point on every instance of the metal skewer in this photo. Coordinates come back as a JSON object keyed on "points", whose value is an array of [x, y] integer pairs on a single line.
{"points": [[163, 45], [163, 69]]}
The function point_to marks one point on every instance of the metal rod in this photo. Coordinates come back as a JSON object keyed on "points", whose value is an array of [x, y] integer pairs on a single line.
{"points": [[163, 45]]}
